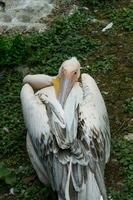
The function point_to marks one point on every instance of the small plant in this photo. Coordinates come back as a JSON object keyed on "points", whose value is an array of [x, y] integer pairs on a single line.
{"points": [[128, 105], [63, 40], [7, 174], [93, 2], [18, 52], [122, 150], [13, 51], [123, 18], [103, 65]]}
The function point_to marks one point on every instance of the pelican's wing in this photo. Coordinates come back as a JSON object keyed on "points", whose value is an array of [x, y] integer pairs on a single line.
{"points": [[39, 136], [36, 114], [94, 129], [35, 117], [93, 118], [38, 81]]}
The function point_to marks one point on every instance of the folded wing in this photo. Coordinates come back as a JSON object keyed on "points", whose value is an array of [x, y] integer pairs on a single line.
{"points": [[94, 130]]}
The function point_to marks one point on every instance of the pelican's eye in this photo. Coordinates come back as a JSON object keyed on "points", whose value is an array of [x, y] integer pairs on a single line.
{"points": [[75, 73]]}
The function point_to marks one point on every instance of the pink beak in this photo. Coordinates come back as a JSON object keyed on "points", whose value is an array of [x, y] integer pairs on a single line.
{"points": [[65, 88]]}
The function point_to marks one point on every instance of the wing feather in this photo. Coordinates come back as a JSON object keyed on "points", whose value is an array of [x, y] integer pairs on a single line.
{"points": [[94, 130], [94, 119], [38, 81], [40, 116], [35, 115]]}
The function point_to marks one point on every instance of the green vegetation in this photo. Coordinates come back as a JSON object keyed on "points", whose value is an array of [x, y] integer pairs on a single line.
{"points": [[7, 174], [62, 40], [103, 64], [94, 2], [123, 152], [123, 18], [13, 51], [128, 106], [98, 53]]}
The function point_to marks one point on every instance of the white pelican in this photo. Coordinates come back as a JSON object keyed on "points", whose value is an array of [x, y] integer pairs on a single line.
{"points": [[68, 137]]}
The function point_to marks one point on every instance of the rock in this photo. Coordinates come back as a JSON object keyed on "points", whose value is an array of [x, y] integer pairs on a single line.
{"points": [[129, 136], [85, 8], [5, 18], [29, 179], [105, 92], [109, 26], [1, 30], [73, 10], [114, 160], [12, 191], [24, 16], [132, 120], [23, 69], [110, 198], [120, 184], [94, 20], [5, 129]]}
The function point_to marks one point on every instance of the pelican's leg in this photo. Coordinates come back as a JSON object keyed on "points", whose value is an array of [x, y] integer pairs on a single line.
{"points": [[36, 162]]}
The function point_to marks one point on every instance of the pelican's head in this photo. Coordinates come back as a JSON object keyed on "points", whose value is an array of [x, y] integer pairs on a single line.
{"points": [[69, 73]]}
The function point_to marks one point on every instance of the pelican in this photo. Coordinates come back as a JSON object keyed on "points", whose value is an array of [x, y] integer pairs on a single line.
{"points": [[68, 134]]}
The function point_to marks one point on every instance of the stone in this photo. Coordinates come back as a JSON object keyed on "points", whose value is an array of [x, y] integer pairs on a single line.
{"points": [[5, 129], [129, 136], [22, 69]]}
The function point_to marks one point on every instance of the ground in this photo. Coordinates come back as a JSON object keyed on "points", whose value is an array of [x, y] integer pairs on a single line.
{"points": [[107, 56]]}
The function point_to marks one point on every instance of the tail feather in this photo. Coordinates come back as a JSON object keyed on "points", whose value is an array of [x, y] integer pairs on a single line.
{"points": [[90, 190]]}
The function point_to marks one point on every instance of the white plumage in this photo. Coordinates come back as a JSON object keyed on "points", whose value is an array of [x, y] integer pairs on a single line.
{"points": [[68, 137]]}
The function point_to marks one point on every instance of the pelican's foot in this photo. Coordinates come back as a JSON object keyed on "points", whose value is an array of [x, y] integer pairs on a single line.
{"points": [[43, 98]]}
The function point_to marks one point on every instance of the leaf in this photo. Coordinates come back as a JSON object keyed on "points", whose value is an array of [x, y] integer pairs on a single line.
{"points": [[3, 170], [10, 179], [6, 174]]}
